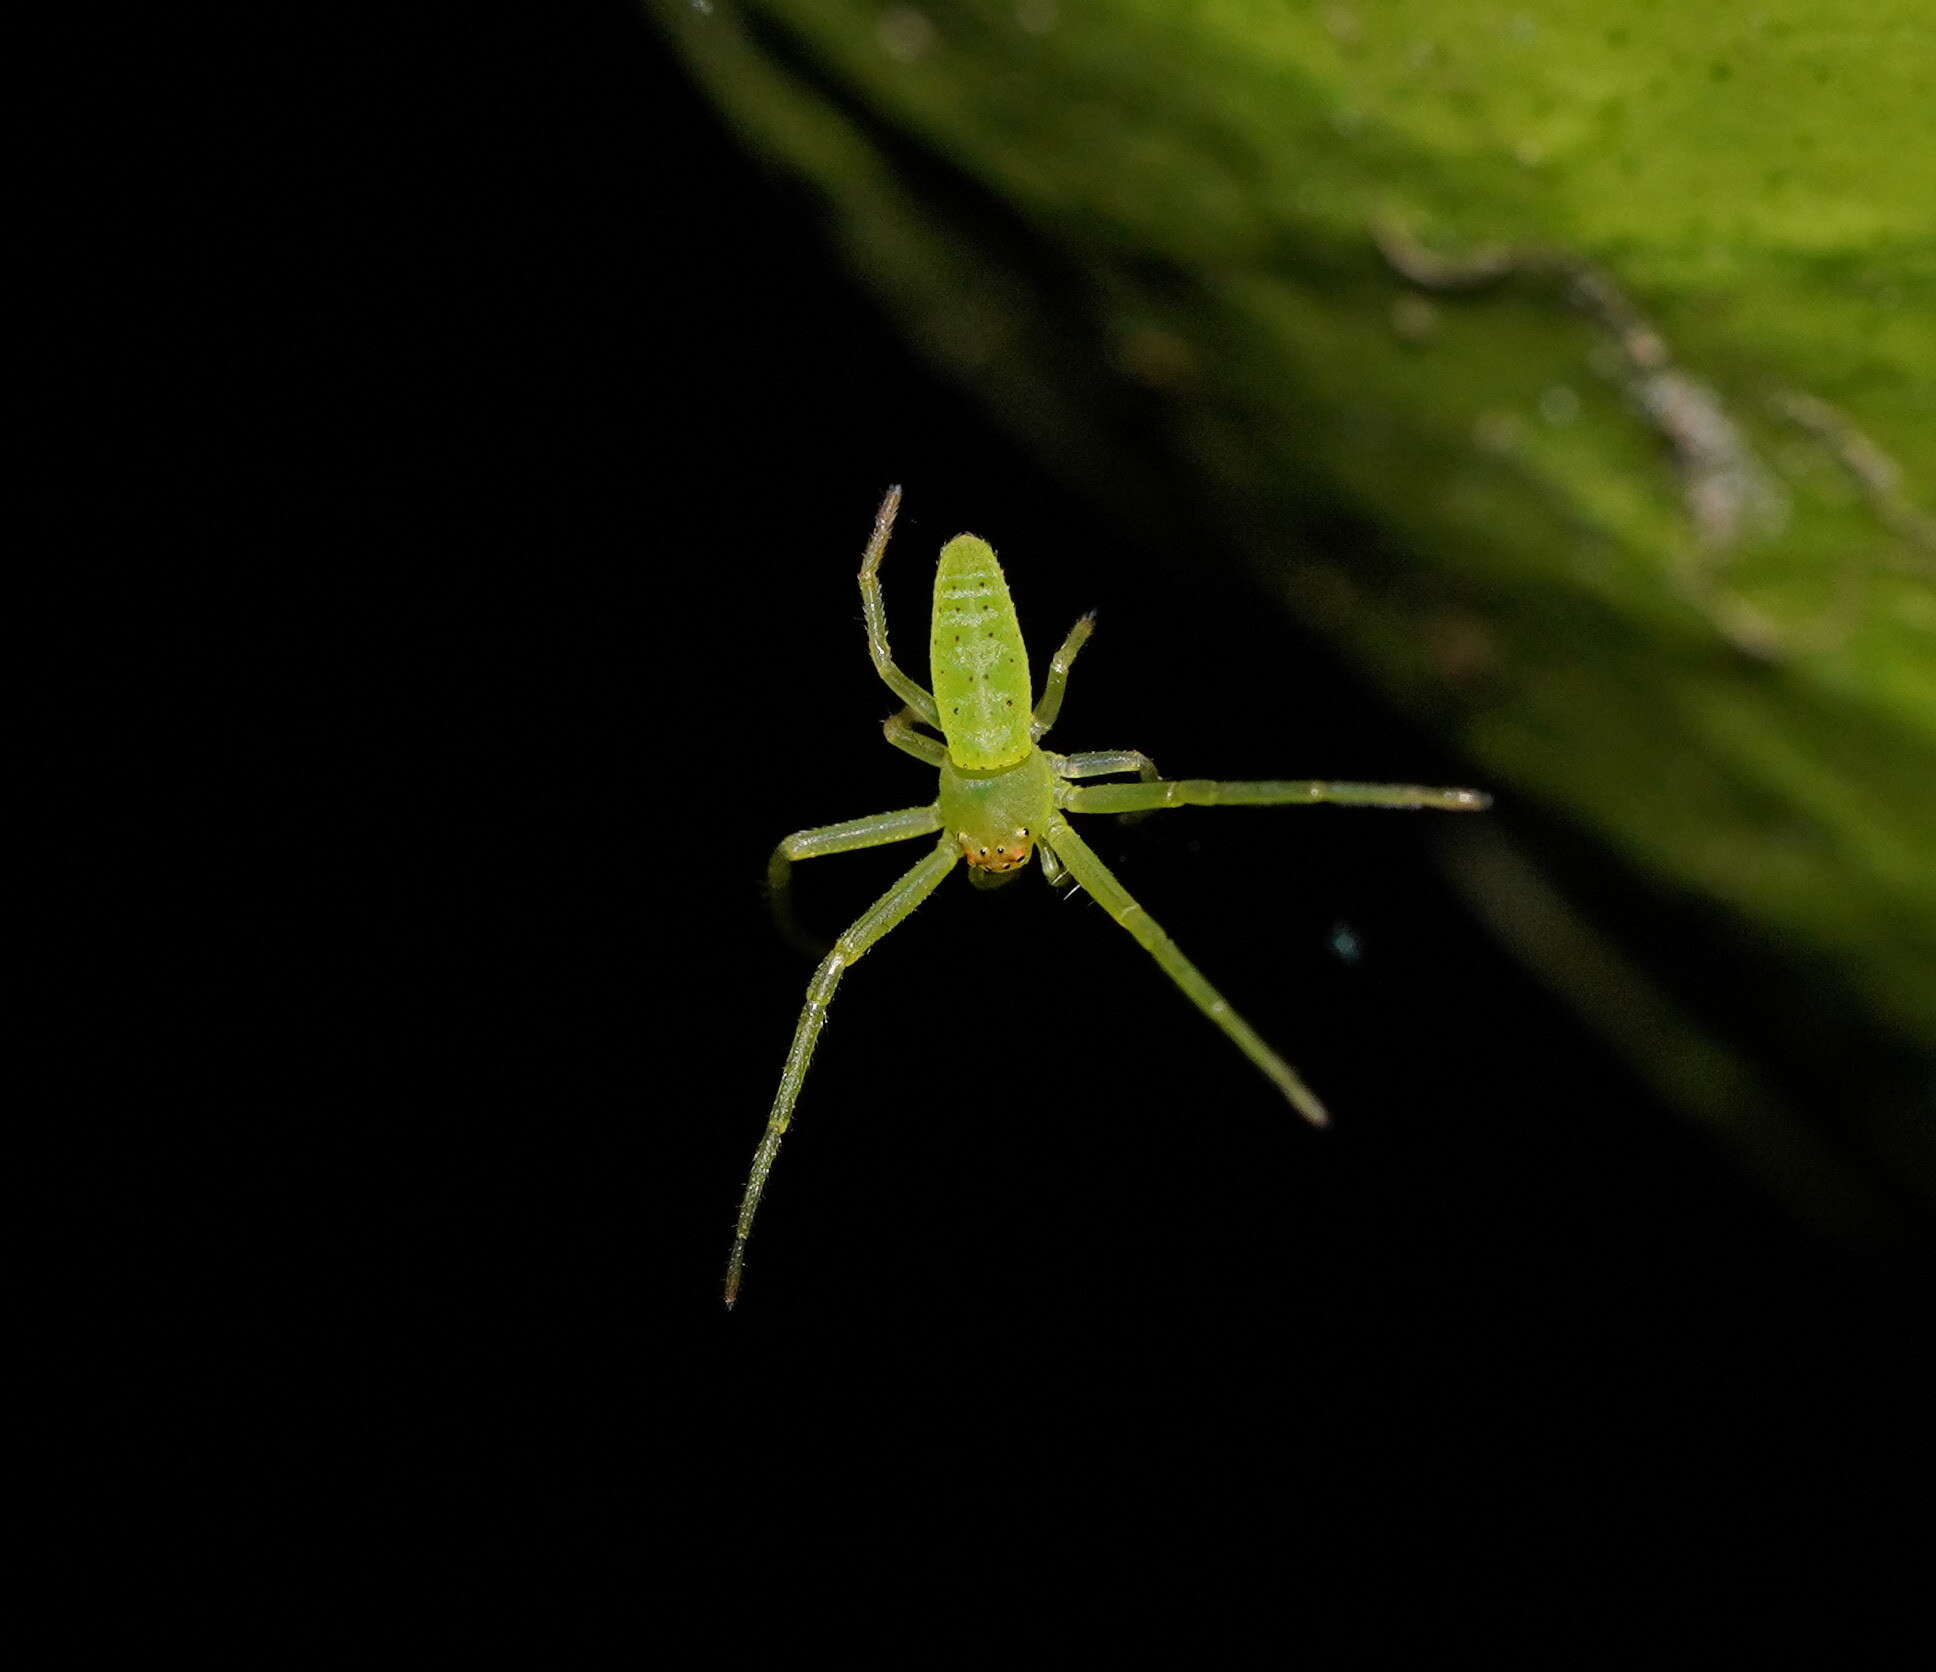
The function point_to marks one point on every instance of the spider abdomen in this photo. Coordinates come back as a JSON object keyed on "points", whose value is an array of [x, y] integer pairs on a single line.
{"points": [[977, 659]]}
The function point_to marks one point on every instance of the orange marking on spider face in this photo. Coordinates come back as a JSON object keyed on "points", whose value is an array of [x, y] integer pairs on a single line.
{"points": [[994, 856]]}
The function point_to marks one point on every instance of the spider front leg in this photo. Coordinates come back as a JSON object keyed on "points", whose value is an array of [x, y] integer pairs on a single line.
{"points": [[875, 922], [876, 830], [1082, 863]]}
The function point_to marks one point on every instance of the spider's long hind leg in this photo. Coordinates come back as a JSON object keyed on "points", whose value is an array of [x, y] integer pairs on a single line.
{"points": [[1087, 869], [880, 917], [873, 831]]}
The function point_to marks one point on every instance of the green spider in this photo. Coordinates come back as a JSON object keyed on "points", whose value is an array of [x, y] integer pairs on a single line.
{"points": [[1003, 796]]}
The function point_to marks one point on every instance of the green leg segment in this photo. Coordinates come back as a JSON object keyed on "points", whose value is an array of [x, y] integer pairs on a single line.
{"points": [[1206, 792], [899, 731], [876, 830], [875, 613], [1101, 882], [1058, 677], [1100, 763], [880, 917]]}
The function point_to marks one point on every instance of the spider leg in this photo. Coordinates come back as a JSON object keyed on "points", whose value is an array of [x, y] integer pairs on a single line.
{"points": [[1101, 882], [899, 731], [876, 830], [1207, 792], [1101, 763], [888, 910], [1053, 870], [1058, 677], [875, 613]]}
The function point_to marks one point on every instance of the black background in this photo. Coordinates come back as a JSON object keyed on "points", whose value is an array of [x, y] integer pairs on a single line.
{"points": [[491, 442]]}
